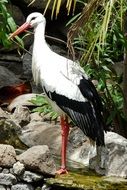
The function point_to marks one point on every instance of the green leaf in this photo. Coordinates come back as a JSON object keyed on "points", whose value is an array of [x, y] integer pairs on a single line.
{"points": [[43, 106], [11, 22], [38, 109], [106, 68], [20, 41], [39, 100], [53, 115]]}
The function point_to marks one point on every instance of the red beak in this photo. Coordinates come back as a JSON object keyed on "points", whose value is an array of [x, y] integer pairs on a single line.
{"points": [[20, 30]]}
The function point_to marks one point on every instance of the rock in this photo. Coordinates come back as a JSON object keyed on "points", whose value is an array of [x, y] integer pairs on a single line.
{"points": [[4, 114], [5, 74], [18, 168], [8, 133], [36, 116], [21, 115], [5, 171], [15, 60], [11, 171], [79, 148], [21, 186], [19, 151], [7, 179], [38, 159], [30, 177], [45, 187], [116, 180], [27, 62], [12, 62], [42, 133], [115, 158], [2, 187], [7, 155], [22, 100]]}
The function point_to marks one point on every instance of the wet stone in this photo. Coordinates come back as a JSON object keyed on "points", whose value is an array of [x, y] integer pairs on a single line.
{"points": [[8, 188], [21, 115], [7, 179], [5, 171], [31, 177], [2, 187], [45, 187], [22, 186], [18, 168], [11, 171]]}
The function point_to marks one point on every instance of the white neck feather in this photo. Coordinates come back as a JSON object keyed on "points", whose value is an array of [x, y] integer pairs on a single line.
{"points": [[40, 49], [39, 35]]}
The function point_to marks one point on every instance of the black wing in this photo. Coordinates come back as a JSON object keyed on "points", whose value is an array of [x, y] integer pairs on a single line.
{"points": [[87, 115]]}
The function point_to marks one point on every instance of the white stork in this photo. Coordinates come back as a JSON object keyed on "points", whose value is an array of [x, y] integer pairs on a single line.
{"points": [[66, 86]]}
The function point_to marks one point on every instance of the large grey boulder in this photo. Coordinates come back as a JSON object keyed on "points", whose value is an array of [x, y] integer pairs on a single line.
{"points": [[115, 156], [38, 159], [42, 133]]}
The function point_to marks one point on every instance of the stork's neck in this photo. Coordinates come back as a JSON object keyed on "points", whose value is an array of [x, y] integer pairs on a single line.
{"points": [[39, 36]]}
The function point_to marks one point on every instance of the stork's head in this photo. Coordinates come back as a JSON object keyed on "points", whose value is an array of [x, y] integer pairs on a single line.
{"points": [[32, 21]]}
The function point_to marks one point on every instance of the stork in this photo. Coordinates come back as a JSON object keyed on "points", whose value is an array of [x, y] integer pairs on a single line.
{"points": [[66, 86]]}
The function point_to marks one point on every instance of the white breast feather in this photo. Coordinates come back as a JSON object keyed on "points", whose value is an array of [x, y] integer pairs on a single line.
{"points": [[63, 77]]}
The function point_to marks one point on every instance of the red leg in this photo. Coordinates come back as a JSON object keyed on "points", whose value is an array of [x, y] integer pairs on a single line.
{"points": [[65, 132]]}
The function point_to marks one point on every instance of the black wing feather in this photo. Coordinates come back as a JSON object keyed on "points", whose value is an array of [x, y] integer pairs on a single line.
{"points": [[86, 115], [89, 91]]}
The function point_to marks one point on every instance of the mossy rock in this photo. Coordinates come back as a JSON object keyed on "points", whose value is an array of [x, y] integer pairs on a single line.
{"points": [[8, 134]]}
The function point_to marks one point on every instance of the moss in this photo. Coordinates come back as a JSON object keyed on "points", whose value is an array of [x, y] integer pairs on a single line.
{"points": [[8, 134], [88, 180]]}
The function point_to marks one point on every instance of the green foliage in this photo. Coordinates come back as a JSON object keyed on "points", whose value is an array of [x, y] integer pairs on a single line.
{"points": [[101, 43], [43, 106], [7, 25], [57, 4]]}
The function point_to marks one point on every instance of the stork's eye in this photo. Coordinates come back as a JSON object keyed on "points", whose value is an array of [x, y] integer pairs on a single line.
{"points": [[33, 18]]}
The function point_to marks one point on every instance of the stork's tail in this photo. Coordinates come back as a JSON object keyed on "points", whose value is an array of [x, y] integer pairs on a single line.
{"points": [[100, 140]]}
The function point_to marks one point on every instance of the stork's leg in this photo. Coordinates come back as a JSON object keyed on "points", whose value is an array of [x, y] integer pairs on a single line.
{"points": [[65, 132]]}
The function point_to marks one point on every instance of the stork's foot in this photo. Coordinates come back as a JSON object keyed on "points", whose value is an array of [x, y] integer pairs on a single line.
{"points": [[62, 171]]}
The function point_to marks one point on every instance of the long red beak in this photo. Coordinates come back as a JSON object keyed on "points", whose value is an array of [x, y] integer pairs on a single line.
{"points": [[20, 29]]}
